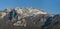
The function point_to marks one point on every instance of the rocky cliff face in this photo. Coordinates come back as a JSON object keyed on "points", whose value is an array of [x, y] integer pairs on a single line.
{"points": [[28, 17]]}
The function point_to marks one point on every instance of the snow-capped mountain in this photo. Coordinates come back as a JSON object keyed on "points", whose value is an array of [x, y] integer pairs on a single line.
{"points": [[26, 17], [24, 11], [20, 13], [29, 11]]}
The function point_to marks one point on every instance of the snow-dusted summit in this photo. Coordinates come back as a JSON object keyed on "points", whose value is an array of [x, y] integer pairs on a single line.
{"points": [[24, 11]]}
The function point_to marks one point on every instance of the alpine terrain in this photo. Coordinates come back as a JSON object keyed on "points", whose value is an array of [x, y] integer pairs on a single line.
{"points": [[28, 18]]}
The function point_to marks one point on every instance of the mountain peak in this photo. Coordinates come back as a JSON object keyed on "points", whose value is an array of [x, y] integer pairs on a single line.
{"points": [[24, 11]]}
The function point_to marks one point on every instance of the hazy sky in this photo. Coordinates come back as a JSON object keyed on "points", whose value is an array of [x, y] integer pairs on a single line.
{"points": [[51, 6]]}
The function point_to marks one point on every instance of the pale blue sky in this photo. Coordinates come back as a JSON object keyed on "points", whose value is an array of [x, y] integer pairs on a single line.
{"points": [[51, 6]]}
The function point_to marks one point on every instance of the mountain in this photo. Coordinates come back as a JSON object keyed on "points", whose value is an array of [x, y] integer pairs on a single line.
{"points": [[24, 11], [52, 22], [31, 18]]}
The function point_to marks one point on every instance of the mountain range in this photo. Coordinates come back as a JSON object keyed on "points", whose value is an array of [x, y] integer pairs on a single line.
{"points": [[31, 18]]}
